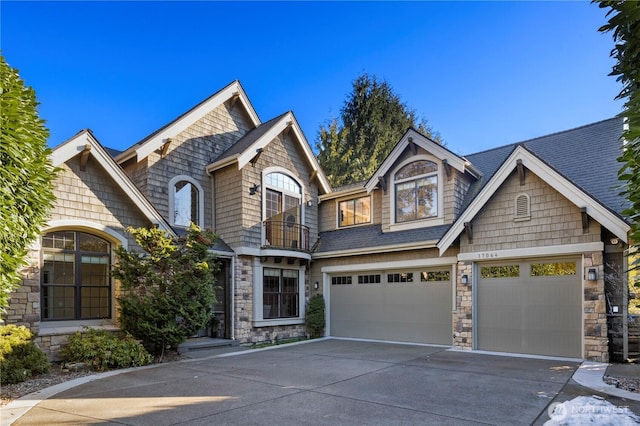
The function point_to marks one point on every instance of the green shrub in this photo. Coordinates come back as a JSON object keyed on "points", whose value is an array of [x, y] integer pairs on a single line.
{"points": [[167, 289], [102, 350], [315, 316], [20, 358]]}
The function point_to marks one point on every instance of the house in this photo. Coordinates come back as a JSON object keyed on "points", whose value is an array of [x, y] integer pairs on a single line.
{"points": [[491, 251], [503, 250]]}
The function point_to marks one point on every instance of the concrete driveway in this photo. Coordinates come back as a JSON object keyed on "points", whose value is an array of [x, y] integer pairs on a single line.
{"points": [[328, 381]]}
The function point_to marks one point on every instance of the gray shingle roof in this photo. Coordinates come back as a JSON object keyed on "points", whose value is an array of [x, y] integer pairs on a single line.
{"points": [[361, 237], [586, 156]]}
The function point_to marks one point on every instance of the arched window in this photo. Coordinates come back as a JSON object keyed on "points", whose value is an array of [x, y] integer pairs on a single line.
{"points": [[416, 191], [283, 197], [75, 276], [283, 210], [185, 201]]}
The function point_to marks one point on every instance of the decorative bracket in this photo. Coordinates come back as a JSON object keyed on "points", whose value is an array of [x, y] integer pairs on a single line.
{"points": [[447, 168], [414, 147], [84, 157], [520, 168], [383, 183], [165, 147], [468, 227], [313, 175], [585, 219], [255, 157], [234, 99]]}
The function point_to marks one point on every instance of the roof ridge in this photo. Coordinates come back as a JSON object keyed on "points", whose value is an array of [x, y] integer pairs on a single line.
{"points": [[523, 142]]}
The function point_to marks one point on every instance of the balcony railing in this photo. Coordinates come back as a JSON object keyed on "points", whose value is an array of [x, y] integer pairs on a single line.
{"points": [[286, 235]]}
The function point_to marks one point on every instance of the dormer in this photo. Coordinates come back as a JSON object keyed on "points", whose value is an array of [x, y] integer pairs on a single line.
{"points": [[422, 182]]}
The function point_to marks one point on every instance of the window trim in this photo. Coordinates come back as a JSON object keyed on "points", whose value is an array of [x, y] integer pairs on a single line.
{"points": [[418, 223], [258, 288], [172, 183], [338, 226], [96, 230], [263, 191]]}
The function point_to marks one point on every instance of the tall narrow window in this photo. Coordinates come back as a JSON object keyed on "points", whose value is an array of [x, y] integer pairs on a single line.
{"points": [[416, 191], [185, 204], [283, 202], [185, 201], [75, 276]]}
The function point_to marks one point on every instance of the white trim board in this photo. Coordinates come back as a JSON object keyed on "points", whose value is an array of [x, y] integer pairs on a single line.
{"points": [[417, 263], [532, 252]]}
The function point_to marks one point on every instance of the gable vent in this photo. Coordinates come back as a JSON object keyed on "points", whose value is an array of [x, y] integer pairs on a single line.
{"points": [[523, 207]]}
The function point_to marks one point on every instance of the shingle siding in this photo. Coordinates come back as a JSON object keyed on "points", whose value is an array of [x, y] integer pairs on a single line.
{"points": [[554, 219]]}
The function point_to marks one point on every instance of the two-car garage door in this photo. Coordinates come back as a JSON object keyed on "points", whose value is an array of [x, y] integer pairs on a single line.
{"points": [[524, 306], [407, 305], [532, 307]]}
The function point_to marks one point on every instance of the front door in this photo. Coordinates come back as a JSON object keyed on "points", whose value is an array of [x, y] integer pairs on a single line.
{"points": [[222, 322]]}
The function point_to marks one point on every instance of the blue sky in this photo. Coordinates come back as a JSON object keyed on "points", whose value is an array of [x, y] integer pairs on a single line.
{"points": [[484, 74]]}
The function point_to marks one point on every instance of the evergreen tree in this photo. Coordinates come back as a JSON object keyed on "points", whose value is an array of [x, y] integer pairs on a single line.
{"points": [[624, 21], [168, 293], [372, 120], [26, 176]]}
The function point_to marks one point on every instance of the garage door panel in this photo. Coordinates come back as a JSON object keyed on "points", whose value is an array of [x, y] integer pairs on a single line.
{"points": [[531, 314], [406, 311]]}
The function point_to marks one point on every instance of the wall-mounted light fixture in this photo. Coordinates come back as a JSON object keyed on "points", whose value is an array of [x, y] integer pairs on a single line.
{"points": [[309, 203], [464, 279], [592, 274], [316, 285], [253, 189]]}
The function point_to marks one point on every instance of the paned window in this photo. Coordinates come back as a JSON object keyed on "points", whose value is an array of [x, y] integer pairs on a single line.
{"points": [[435, 276], [405, 277], [354, 212], [416, 191], [341, 280], [75, 276], [369, 279], [280, 293], [283, 211]]}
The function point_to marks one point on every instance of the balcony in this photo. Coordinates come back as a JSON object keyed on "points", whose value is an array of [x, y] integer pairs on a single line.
{"points": [[286, 235]]}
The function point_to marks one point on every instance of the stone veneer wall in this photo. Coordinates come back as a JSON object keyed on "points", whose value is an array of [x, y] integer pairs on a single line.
{"points": [[245, 332], [463, 315], [596, 340]]}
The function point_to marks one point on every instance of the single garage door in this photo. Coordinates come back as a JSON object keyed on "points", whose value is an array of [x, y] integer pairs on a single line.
{"points": [[408, 306], [532, 307]]}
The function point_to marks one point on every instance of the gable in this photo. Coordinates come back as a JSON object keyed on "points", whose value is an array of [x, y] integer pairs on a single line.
{"points": [[248, 149], [529, 162], [412, 140], [234, 94], [83, 147]]}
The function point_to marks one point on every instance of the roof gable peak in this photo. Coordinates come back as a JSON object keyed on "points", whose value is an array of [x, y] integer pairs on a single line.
{"points": [[413, 139], [233, 93]]}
